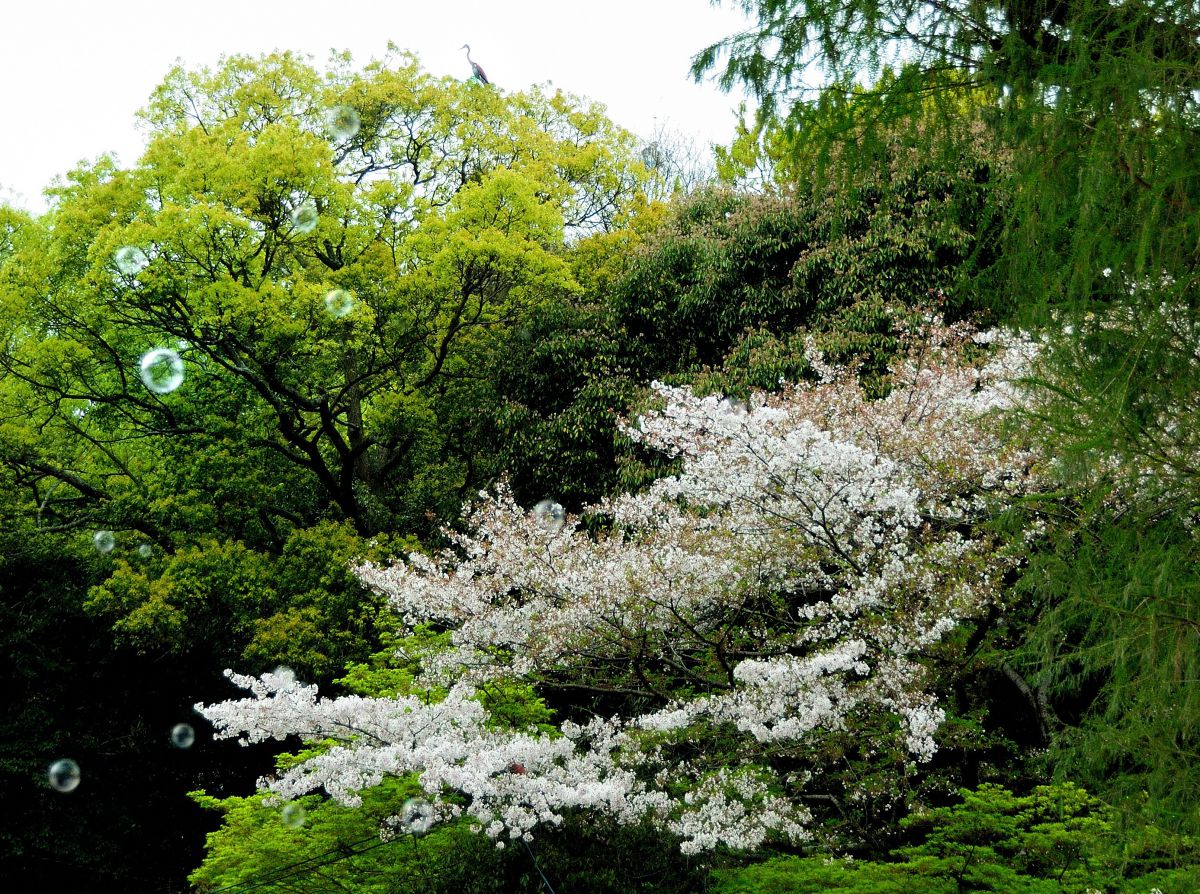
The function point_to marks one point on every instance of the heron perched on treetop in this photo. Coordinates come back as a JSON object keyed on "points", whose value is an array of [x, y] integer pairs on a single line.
{"points": [[476, 71]]}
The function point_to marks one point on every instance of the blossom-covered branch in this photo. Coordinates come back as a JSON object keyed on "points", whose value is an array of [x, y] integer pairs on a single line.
{"points": [[781, 589]]}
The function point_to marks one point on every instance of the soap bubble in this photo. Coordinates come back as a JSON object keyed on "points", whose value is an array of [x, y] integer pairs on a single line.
{"points": [[550, 514], [104, 541], [653, 156], [304, 218], [64, 775], [162, 370], [145, 550], [282, 677], [732, 406], [339, 302], [182, 735], [416, 816], [130, 260], [342, 122], [292, 815]]}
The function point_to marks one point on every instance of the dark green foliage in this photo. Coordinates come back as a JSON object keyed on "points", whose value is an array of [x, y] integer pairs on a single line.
{"points": [[223, 603], [1018, 43], [725, 293], [1116, 649], [1056, 840], [561, 380], [70, 692], [847, 267], [1118, 644], [1093, 105], [1092, 101]]}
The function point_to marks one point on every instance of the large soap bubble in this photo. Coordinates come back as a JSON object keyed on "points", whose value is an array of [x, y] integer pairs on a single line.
{"points": [[63, 775], [104, 541], [304, 218], [550, 514], [282, 678], [339, 302], [162, 370], [182, 735], [293, 815], [342, 122], [416, 816], [130, 260]]}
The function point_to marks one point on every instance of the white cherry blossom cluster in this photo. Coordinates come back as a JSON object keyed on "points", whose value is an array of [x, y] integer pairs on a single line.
{"points": [[782, 586]]}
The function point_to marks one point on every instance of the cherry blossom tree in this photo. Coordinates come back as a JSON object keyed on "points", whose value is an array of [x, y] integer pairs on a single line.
{"points": [[701, 640]]}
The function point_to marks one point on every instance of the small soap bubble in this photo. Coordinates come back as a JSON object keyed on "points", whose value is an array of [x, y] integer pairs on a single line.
{"points": [[182, 735], [162, 370], [416, 816], [550, 514], [130, 260], [342, 122], [145, 550], [64, 775], [304, 218], [339, 302], [293, 815], [104, 541]]}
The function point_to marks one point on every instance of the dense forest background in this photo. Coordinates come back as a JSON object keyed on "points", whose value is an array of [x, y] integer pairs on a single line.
{"points": [[389, 293]]}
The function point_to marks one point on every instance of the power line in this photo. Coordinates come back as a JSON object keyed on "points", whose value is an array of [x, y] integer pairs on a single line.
{"points": [[545, 881], [338, 854], [271, 876]]}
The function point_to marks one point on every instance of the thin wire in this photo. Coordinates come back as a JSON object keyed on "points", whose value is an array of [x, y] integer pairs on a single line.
{"points": [[313, 867], [545, 881], [270, 876]]}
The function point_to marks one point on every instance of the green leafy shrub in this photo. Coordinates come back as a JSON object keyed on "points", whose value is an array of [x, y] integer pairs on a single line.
{"points": [[1056, 840]]}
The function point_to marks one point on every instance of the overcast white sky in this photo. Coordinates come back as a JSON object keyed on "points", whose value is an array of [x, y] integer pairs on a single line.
{"points": [[74, 72]]}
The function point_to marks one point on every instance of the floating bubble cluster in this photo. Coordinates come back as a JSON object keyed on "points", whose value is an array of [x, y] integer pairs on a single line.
{"points": [[130, 260], [104, 541], [342, 122], [162, 370], [550, 514], [416, 816], [182, 735], [339, 302], [293, 815], [63, 775], [304, 218]]}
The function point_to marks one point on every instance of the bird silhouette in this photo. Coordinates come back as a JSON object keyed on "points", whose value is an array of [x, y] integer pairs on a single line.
{"points": [[476, 71]]}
